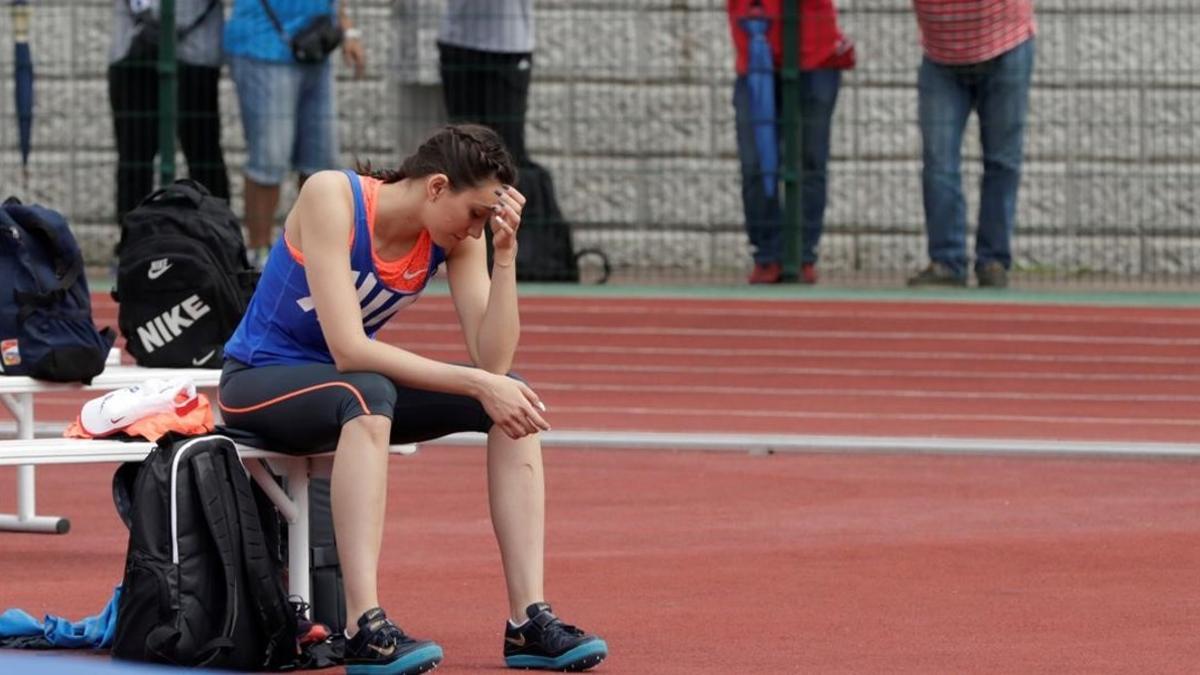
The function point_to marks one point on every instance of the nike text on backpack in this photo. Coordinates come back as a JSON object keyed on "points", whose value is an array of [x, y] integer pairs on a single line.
{"points": [[46, 328], [203, 584], [183, 281]]}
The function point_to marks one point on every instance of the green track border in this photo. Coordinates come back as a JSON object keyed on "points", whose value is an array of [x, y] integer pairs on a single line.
{"points": [[792, 292], [833, 293]]}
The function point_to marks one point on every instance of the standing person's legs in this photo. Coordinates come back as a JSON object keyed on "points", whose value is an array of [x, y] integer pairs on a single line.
{"points": [[200, 127], [488, 88], [818, 97], [944, 103], [506, 97], [133, 94], [1003, 106], [762, 213], [315, 147], [268, 98], [464, 80]]}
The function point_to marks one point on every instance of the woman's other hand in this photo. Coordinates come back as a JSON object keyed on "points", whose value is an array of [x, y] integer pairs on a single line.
{"points": [[513, 406]]}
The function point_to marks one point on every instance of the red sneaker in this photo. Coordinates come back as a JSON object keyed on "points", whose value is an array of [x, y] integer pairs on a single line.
{"points": [[766, 273], [808, 273]]}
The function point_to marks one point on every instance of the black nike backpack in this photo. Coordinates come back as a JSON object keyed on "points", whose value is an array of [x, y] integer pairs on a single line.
{"points": [[46, 327], [202, 585], [183, 279]]}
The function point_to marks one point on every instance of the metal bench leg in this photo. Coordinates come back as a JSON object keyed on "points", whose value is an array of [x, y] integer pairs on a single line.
{"points": [[26, 518], [298, 548]]}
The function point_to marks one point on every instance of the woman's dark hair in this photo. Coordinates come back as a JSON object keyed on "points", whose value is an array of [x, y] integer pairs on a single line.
{"points": [[468, 154]]}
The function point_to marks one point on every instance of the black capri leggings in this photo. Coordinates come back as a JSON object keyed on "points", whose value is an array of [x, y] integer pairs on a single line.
{"points": [[301, 408]]}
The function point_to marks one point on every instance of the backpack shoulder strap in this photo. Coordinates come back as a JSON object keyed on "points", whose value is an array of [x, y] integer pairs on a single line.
{"points": [[212, 488], [274, 616], [275, 21]]}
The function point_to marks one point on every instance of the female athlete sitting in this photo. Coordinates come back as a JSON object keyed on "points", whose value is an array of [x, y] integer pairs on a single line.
{"points": [[303, 370]]}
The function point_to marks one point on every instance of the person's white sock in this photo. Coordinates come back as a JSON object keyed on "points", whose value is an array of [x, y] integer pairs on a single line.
{"points": [[517, 626]]}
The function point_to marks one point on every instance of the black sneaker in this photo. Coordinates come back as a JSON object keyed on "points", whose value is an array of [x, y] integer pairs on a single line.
{"points": [[992, 275], [546, 643], [937, 274], [381, 648]]}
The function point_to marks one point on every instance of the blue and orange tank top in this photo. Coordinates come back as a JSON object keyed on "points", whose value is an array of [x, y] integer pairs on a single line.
{"points": [[280, 326]]}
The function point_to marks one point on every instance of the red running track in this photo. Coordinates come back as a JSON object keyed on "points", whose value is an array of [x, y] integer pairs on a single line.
{"points": [[706, 563], [717, 563], [923, 369]]}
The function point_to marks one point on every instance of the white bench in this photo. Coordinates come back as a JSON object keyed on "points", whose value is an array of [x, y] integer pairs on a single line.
{"points": [[262, 465], [19, 393]]}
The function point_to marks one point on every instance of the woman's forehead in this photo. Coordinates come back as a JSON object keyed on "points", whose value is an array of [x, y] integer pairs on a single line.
{"points": [[484, 192]]}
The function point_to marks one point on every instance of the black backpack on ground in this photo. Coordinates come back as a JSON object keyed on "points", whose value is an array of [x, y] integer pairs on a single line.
{"points": [[546, 250], [202, 586], [183, 279], [46, 328]]}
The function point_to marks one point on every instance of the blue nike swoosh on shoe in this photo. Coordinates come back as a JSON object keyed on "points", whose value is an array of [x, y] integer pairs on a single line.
{"points": [[416, 661], [583, 652]]}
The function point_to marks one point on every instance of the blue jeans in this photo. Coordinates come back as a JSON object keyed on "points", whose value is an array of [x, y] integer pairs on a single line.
{"points": [[998, 90], [289, 117], [764, 216]]}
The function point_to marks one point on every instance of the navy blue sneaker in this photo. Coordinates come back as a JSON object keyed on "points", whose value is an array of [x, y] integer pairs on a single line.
{"points": [[546, 643], [381, 648]]}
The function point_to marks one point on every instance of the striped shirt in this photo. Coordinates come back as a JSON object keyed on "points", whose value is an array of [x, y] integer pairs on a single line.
{"points": [[958, 32]]}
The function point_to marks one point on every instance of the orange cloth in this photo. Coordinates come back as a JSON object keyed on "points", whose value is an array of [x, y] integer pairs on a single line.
{"points": [[193, 419], [406, 273]]}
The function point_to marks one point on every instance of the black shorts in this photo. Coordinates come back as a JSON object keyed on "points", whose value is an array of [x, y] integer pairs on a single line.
{"points": [[301, 408]]}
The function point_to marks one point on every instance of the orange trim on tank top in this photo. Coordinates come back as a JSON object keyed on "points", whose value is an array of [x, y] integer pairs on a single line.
{"points": [[407, 273]]}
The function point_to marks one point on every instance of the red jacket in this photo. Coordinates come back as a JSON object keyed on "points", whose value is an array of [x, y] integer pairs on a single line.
{"points": [[822, 44]]}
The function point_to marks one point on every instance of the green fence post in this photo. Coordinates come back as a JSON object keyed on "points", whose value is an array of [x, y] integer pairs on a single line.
{"points": [[790, 169], [167, 94]]}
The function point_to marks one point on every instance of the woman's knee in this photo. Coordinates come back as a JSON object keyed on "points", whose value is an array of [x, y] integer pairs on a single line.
{"points": [[374, 393], [377, 427]]}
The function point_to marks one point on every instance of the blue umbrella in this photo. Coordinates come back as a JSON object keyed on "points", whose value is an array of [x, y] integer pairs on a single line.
{"points": [[760, 80], [23, 81]]}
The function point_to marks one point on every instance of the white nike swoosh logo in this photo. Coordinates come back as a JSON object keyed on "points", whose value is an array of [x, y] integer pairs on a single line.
{"points": [[408, 276], [200, 361], [156, 273]]}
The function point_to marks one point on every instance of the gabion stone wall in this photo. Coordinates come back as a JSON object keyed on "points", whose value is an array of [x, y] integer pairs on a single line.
{"points": [[631, 110]]}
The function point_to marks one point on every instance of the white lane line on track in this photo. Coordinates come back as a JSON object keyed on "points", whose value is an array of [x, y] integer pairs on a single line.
{"points": [[915, 374], [716, 415], [869, 393], [1112, 316], [824, 443], [788, 353], [938, 336]]}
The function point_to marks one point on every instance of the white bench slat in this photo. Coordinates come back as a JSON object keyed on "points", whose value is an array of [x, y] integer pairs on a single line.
{"points": [[16, 452], [113, 377]]}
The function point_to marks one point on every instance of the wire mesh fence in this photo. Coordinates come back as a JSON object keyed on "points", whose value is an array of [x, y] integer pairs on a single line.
{"points": [[630, 110]]}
